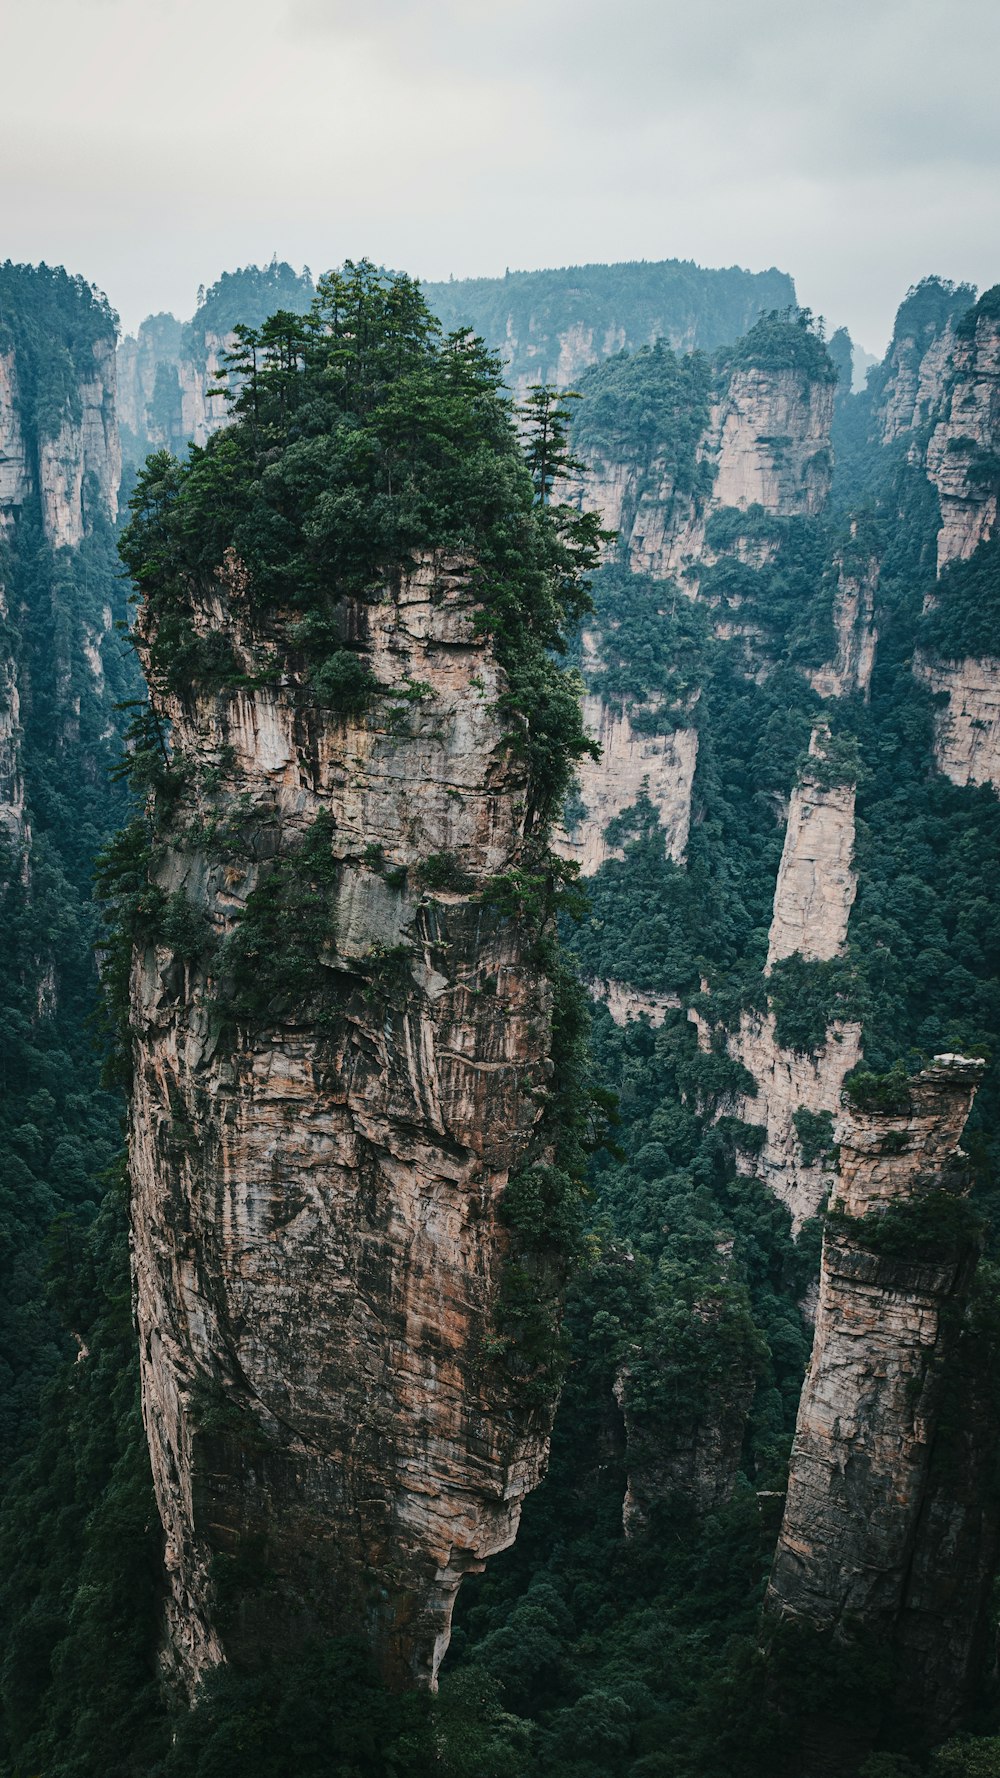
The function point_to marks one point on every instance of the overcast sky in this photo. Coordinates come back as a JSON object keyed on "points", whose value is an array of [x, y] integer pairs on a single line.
{"points": [[150, 144]]}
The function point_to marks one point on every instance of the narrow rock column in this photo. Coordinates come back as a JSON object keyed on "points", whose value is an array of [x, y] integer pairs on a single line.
{"points": [[317, 1173], [898, 1259]]}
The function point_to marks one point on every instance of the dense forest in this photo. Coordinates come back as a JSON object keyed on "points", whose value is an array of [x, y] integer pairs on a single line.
{"points": [[593, 1648]]}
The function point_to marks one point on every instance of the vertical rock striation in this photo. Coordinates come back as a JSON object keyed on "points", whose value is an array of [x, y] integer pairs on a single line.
{"points": [[862, 1540], [318, 1247]]}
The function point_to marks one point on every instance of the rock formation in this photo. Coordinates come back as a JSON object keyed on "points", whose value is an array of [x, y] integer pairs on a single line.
{"points": [[961, 453], [967, 728], [861, 1542], [318, 1248], [631, 764], [67, 462]]}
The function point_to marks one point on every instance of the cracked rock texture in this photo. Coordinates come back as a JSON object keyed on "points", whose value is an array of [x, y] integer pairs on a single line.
{"points": [[315, 1199], [788, 1081], [866, 1523]]}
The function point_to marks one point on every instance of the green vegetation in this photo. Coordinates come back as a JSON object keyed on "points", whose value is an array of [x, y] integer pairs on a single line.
{"points": [[638, 303], [648, 407], [784, 339]]}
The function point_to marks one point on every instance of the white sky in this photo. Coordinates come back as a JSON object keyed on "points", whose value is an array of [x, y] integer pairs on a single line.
{"points": [[150, 144]]}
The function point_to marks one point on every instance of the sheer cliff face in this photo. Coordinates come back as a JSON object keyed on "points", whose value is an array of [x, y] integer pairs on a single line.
{"points": [[62, 465], [767, 441], [858, 1512], [631, 765], [168, 393], [317, 1245], [961, 452]]}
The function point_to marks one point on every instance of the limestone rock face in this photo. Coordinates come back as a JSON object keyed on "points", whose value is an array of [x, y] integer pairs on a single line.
{"points": [[83, 447], [773, 430], [788, 1081], [15, 476], [168, 396], [61, 467], [627, 1004], [816, 882], [919, 373], [886, 1329], [857, 638], [967, 730], [631, 763], [961, 454], [315, 1194]]}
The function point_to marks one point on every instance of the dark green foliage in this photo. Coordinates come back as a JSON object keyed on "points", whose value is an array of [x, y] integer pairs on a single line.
{"points": [[814, 1130], [965, 617], [80, 1540], [247, 296], [921, 1230], [52, 321], [277, 962], [806, 997], [785, 339], [323, 1714], [648, 407], [344, 682]]}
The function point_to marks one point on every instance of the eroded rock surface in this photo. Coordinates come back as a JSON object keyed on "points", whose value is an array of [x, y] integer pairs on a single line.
{"points": [[631, 763], [887, 1324], [967, 729], [317, 1244]]}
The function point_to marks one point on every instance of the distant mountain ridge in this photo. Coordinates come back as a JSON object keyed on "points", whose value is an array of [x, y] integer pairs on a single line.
{"points": [[548, 326]]}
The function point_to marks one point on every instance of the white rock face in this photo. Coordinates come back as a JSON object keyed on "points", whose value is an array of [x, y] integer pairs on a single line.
{"points": [[816, 882], [917, 385], [662, 765], [967, 731], [81, 449], [627, 1004]]}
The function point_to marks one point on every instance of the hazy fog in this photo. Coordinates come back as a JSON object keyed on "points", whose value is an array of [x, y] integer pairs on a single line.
{"points": [[856, 146]]}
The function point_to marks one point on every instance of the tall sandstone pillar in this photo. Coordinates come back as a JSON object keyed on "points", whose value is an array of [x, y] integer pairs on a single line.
{"points": [[318, 1166], [877, 1512]]}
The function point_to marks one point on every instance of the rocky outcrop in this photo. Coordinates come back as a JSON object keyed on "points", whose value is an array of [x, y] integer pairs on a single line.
{"points": [[816, 882], [962, 459], [887, 1330], [768, 443], [627, 1004], [967, 729], [549, 326], [84, 452], [790, 1082], [316, 1191], [15, 476], [919, 370], [850, 671], [773, 431], [632, 764], [169, 395]]}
